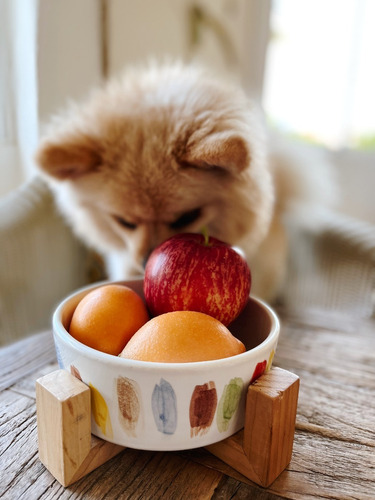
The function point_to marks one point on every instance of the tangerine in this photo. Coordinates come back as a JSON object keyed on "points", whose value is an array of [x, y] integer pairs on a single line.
{"points": [[182, 337], [107, 317]]}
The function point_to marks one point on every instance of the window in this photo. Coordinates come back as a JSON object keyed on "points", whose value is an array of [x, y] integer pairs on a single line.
{"points": [[320, 72], [18, 94]]}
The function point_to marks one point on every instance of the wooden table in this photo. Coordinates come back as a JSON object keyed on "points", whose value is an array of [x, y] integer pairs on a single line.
{"points": [[334, 447]]}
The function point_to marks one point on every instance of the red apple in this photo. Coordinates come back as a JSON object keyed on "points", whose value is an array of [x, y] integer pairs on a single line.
{"points": [[192, 272]]}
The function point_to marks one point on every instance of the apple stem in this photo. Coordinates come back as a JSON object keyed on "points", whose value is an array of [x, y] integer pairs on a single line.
{"points": [[206, 236]]}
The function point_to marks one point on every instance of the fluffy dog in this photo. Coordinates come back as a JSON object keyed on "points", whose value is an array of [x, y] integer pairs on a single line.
{"points": [[168, 149]]}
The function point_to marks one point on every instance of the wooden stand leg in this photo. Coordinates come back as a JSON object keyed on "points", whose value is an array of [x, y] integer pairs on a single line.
{"points": [[66, 446], [260, 451], [263, 449]]}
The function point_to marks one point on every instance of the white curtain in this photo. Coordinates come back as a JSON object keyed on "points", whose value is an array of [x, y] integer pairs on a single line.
{"points": [[18, 91]]}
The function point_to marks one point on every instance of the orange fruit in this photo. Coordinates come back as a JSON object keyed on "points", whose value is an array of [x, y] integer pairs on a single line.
{"points": [[182, 337], [107, 317]]}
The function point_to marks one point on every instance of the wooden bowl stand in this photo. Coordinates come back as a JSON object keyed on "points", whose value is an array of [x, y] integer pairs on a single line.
{"points": [[260, 451]]}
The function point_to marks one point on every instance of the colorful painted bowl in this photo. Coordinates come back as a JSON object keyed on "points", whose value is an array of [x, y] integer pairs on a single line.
{"points": [[168, 406]]}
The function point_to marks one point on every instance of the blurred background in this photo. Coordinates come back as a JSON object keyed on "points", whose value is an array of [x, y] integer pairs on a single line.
{"points": [[309, 62]]}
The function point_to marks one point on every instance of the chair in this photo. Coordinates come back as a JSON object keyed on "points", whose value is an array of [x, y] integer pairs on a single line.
{"points": [[40, 261]]}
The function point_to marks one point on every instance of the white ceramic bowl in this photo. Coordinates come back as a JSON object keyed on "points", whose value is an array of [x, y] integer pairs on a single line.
{"points": [[168, 406]]}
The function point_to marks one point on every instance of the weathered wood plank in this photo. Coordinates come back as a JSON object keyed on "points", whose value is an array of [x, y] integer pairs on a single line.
{"points": [[26, 385], [34, 351], [338, 411], [18, 449], [320, 468], [343, 353], [230, 488], [326, 468], [334, 449]]}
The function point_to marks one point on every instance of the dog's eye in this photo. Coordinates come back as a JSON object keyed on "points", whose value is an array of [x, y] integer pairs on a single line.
{"points": [[124, 223], [186, 219]]}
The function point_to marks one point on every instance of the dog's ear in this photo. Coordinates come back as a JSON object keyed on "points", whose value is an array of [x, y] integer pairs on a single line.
{"points": [[223, 150], [69, 158]]}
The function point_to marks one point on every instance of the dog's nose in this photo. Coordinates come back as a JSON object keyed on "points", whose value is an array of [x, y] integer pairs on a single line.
{"points": [[145, 258]]}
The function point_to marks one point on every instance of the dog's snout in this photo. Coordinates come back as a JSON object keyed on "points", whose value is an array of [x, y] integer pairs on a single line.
{"points": [[149, 236], [146, 257]]}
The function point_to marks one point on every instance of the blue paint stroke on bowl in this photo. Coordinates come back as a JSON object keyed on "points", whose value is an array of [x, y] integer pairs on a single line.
{"points": [[164, 408], [59, 357]]}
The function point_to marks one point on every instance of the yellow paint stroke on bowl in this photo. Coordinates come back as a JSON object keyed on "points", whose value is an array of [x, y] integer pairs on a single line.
{"points": [[100, 412], [128, 404], [270, 359], [202, 408], [228, 403]]}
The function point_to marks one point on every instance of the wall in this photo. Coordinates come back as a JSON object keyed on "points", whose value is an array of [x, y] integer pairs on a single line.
{"points": [[230, 36], [69, 51]]}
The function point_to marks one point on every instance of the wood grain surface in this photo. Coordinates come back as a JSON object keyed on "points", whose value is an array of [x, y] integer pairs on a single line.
{"points": [[334, 446]]}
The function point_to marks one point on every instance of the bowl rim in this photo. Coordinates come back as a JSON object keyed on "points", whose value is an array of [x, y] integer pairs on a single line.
{"points": [[63, 335]]}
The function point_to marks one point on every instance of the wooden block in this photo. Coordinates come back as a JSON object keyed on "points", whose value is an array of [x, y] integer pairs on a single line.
{"points": [[263, 449], [66, 446]]}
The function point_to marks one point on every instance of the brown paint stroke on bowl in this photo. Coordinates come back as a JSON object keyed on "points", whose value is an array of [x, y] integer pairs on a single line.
{"points": [[75, 372], [202, 409], [128, 404]]}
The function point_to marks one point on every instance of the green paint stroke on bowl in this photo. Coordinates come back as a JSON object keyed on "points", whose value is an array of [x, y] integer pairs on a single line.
{"points": [[228, 403]]}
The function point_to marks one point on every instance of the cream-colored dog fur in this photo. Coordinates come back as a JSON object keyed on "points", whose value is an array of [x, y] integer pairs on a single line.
{"points": [[171, 149]]}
